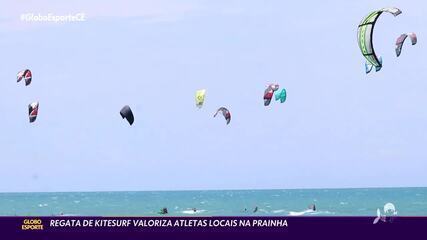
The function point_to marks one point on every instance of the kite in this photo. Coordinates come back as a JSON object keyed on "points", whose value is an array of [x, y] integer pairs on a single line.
{"points": [[33, 110], [401, 39], [200, 97], [268, 93], [365, 37], [225, 113], [26, 75], [126, 112], [281, 96]]}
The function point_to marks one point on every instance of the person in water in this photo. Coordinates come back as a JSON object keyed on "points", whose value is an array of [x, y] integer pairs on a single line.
{"points": [[312, 207], [256, 209], [163, 211], [194, 210]]}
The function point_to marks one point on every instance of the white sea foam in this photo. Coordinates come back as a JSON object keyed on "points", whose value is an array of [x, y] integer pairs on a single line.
{"points": [[262, 210], [278, 211], [300, 213], [191, 211]]}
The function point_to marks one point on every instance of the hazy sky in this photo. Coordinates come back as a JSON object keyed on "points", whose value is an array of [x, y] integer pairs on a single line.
{"points": [[338, 128]]}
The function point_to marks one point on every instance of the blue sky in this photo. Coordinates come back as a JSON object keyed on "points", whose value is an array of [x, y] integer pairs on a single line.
{"points": [[338, 128]]}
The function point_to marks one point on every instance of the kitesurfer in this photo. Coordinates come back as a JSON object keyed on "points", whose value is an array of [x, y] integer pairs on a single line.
{"points": [[163, 211]]}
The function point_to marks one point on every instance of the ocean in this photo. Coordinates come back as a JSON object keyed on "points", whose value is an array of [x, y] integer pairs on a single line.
{"points": [[329, 202]]}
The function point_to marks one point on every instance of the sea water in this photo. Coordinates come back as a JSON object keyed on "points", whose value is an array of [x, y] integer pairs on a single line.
{"points": [[329, 202]]}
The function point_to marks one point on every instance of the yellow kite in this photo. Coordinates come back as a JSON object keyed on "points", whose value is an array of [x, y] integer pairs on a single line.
{"points": [[200, 97]]}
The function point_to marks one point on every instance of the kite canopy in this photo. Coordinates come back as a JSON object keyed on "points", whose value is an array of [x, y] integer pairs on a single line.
{"points": [[33, 110], [200, 97], [26, 75], [268, 93], [365, 35], [281, 96], [126, 112], [225, 113], [401, 39]]}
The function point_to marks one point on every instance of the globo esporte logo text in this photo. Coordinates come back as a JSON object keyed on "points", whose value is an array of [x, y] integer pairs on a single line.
{"points": [[32, 224]]}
